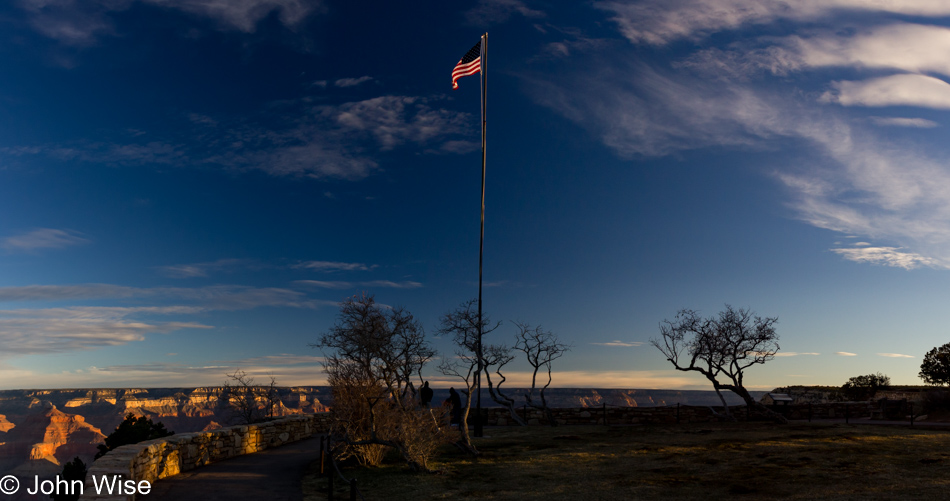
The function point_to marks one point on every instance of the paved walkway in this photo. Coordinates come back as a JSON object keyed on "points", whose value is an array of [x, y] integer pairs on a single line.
{"points": [[263, 476]]}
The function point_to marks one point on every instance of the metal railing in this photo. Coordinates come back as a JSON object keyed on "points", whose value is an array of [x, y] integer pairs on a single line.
{"points": [[326, 456]]}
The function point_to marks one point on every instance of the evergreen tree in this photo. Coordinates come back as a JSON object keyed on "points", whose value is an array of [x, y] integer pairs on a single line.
{"points": [[73, 470], [132, 431]]}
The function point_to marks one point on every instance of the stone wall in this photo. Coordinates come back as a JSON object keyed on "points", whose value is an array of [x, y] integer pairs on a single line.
{"points": [[156, 459]]}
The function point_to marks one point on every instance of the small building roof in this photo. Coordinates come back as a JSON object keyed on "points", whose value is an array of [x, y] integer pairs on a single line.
{"points": [[780, 397]]}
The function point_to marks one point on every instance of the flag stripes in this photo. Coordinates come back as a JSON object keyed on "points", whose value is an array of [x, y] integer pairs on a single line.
{"points": [[470, 64]]}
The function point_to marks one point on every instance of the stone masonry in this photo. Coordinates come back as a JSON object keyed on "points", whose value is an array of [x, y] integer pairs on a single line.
{"points": [[156, 459]]}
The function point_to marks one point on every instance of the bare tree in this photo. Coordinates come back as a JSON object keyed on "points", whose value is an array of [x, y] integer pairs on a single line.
{"points": [[387, 345], [720, 348], [371, 355], [241, 398], [541, 348], [498, 356], [272, 404], [464, 365], [463, 324]]}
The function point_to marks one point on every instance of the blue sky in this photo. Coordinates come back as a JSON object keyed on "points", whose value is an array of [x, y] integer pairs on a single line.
{"points": [[189, 187]]}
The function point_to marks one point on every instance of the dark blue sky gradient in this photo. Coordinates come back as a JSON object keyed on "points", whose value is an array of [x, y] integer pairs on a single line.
{"points": [[171, 179]]}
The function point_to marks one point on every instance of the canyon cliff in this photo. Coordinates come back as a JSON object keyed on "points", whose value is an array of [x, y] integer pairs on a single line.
{"points": [[40, 430]]}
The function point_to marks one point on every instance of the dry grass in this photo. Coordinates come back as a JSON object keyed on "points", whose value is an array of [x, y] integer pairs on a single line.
{"points": [[710, 461]]}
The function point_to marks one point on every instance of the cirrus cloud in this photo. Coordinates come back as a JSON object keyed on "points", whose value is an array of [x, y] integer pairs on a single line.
{"points": [[849, 176], [59, 330], [618, 343], [889, 256], [82, 22], [42, 238], [894, 90]]}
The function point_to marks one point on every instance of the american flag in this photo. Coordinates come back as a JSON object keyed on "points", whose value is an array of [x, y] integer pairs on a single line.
{"points": [[470, 64]]}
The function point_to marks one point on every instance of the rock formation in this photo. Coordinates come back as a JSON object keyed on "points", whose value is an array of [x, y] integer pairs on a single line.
{"points": [[42, 429], [46, 439]]}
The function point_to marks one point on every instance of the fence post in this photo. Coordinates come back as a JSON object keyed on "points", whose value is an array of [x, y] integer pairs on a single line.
{"points": [[525, 414], [330, 484], [847, 413], [352, 489], [677, 412], [605, 413], [323, 453], [809, 412]]}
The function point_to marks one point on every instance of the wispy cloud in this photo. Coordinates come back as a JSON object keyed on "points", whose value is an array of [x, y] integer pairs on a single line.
{"points": [[893, 90], [80, 23], [618, 343], [395, 120], [282, 359], [888, 256], [794, 354], [508, 284], [245, 14], [571, 46], [660, 22], [499, 11], [339, 141], [117, 154], [352, 82], [406, 284], [845, 354], [42, 330], [921, 123], [852, 178], [333, 266], [67, 292], [287, 369], [43, 238], [217, 297], [202, 269], [910, 48], [322, 284], [58, 330], [895, 355], [457, 147]]}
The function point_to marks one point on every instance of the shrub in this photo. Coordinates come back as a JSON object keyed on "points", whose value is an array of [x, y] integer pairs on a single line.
{"points": [[351, 417], [372, 425]]}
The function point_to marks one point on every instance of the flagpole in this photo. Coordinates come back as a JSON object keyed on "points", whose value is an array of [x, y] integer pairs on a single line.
{"points": [[481, 239]]}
